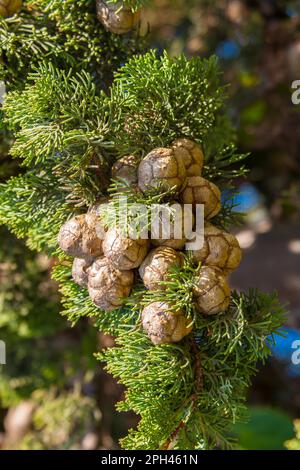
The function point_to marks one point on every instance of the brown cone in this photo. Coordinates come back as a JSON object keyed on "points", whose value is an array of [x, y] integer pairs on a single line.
{"points": [[126, 169], [124, 253], [81, 236], [108, 286], [80, 271], [191, 155]]}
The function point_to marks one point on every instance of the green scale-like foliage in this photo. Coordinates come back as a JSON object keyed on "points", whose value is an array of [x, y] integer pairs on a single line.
{"points": [[67, 134], [58, 422]]}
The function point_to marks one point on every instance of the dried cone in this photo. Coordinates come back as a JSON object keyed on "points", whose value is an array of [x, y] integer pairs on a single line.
{"points": [[108, 286], [126, 169], [161, 168], [191, 155], [237, 11], [157, 266], [124, 253], [116, 18], [82, 236], [221, 249], [80, 271], [10, 7], [94, 216], [211, 291], [200, 191], [164, 325], [179, 221]]}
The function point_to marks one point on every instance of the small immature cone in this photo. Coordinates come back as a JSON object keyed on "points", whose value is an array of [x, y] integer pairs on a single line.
{"points": [[200, 191], [164, 325], [116, 17], [191, 155], [122, 252], [157, 266], [211, 291], [82, 236], [126, 169], [80, 271], [161, 168], [221, 249], [10, 7], [108, 286]]}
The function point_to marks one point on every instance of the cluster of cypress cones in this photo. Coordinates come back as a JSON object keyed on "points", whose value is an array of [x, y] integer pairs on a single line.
{"points": [[108, 263]]}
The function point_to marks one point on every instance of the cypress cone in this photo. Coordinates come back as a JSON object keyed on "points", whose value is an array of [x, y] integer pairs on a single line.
{"points": [[123, 252], [191, 155], [81, 236], [157, 265], [181, 217], [10, 7], [126, 169], [80, 271], [221, 249], [163, 169]]}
